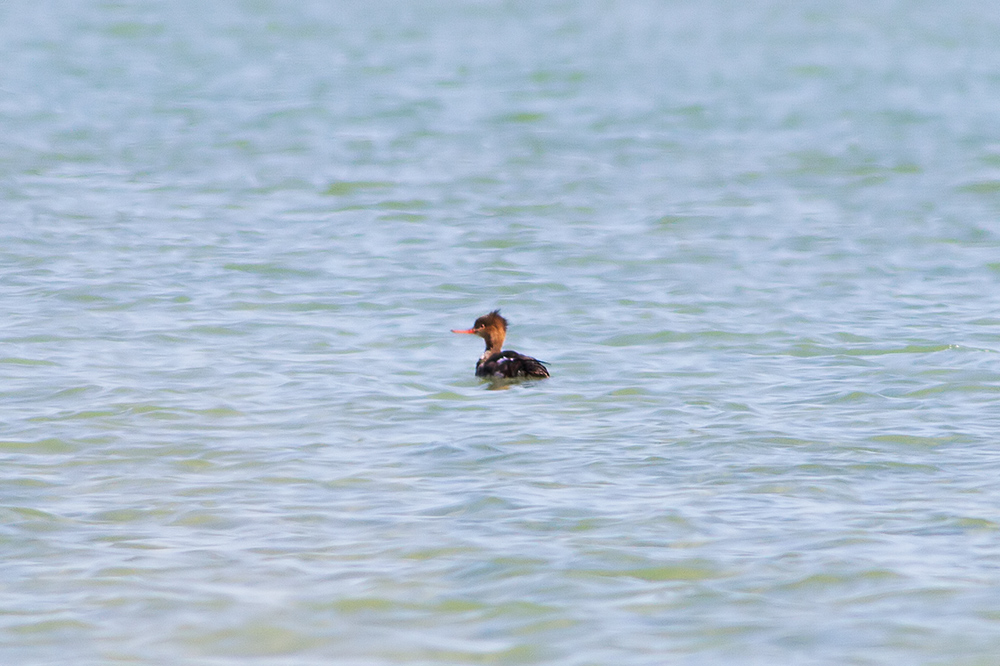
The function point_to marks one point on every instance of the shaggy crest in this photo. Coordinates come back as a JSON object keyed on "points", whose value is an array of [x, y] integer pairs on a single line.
{"points": [[490, 320]]}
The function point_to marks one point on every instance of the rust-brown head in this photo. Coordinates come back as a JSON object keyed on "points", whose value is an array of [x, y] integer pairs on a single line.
{"points": [[490, 327]]}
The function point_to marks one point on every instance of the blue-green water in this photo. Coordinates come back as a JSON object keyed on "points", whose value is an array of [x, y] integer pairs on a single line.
{"points": [[758, 244]]}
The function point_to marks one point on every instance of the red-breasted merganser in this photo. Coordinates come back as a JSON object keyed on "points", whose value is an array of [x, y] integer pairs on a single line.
{"points": [[497, 363]]}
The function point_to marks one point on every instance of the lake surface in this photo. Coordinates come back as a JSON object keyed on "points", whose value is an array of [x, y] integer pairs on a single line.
{"points": [[757, 243]]}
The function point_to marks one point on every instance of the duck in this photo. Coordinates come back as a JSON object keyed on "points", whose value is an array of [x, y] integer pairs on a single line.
{"points": [[495, 363]]}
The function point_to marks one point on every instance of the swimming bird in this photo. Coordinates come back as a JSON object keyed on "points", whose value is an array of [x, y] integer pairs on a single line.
{"points": [[497, 363]]}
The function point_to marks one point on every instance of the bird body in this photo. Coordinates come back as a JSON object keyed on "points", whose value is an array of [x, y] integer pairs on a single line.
{"points": [[510, 364]]}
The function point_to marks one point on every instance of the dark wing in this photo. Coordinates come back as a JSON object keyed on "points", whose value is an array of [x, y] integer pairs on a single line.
{"points": [[511, 365]]}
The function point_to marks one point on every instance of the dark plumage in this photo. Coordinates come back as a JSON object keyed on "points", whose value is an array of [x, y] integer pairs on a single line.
{"points": [[495, 362], [509, 365]]}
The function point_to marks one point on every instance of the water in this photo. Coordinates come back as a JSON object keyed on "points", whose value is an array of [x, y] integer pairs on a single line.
{"points": [[757, 243]]}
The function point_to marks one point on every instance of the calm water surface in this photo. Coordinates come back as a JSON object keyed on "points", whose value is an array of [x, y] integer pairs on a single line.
{"points": [[758, 244]]}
